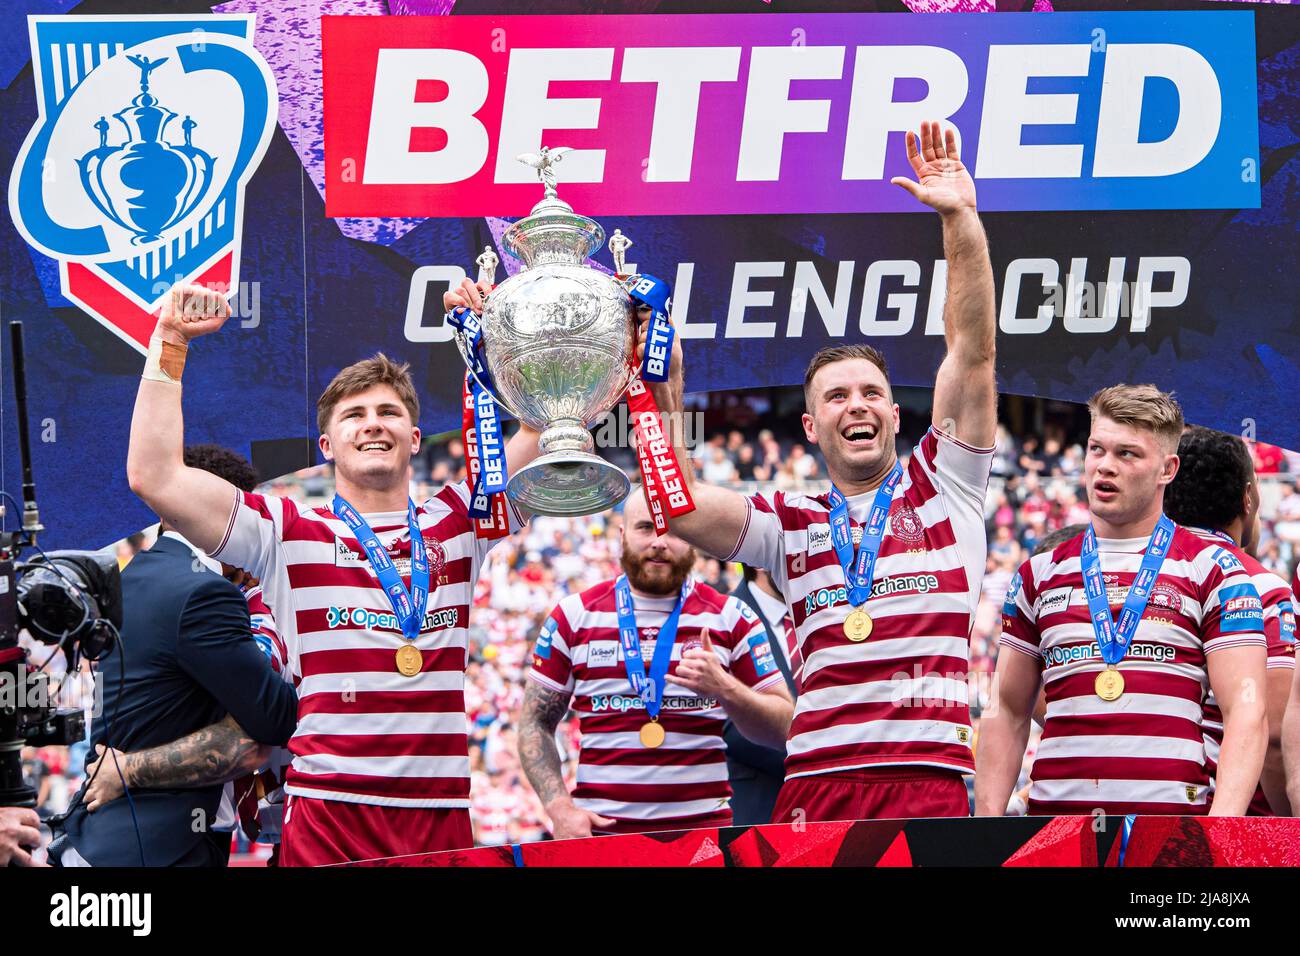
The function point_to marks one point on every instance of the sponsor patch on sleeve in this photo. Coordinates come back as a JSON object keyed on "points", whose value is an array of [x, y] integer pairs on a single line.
{"points": [[1286, 619], [1009, 608], [542, 649], [760, 650], [1241, 609]]}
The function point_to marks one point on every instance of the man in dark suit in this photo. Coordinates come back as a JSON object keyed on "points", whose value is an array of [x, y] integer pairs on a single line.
{"points": [[189, 700], [756, 772]]}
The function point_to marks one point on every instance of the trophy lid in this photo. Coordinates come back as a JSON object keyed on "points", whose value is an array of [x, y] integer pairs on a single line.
{"points": [[552, 232]]}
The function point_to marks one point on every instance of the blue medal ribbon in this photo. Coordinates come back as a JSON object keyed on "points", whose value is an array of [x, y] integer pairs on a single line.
{"points": [[657, 294], [649, 687], [1113, 639], [492, 474], [408, 606], [859, 570]]}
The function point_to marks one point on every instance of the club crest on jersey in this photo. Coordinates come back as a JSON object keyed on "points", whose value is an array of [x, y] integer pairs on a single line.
{"points": [[133, 176], [906, 525], [437, 558], [1164, 597]]}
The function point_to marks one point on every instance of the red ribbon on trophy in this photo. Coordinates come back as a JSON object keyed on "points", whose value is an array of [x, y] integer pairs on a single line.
{"points": [[497, 524]]}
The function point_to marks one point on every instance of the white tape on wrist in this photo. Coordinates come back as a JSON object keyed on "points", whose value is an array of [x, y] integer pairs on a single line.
{"points": [[165, 362]]}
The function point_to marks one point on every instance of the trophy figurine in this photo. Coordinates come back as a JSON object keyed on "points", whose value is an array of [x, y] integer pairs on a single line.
{"points": [[487, 263], [559, 341]]}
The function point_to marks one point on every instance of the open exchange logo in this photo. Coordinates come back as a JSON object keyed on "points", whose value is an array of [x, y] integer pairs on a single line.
{"points": [[133, 177]]}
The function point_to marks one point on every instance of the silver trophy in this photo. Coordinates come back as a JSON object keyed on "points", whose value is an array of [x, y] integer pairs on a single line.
{"points": [[559, 339]]}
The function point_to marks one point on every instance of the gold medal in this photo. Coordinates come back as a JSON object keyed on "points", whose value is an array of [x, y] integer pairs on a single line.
{"points": [[409, 660], [1110, 684], [652, 734], [858, 625]]}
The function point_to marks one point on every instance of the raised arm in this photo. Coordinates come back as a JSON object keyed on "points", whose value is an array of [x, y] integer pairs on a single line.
{"points": [[196, 503], [540, 758], [720, 513], [965, 389], [212, 755], [1004, 731]]}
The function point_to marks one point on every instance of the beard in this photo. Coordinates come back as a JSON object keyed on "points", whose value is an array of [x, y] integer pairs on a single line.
{"points": [[654, 578]]}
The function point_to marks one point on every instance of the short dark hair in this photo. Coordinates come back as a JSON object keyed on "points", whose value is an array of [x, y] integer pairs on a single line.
{"points": [[1214, 472], [1050, 542], [840, 353], [223, 463]]}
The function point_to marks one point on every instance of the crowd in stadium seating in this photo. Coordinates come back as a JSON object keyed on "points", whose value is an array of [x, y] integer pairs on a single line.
{"points": [[1035, 489]]}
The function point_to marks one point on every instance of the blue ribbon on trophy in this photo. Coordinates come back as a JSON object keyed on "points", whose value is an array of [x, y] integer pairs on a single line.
{"points": [[657, 295], [492, 473]]}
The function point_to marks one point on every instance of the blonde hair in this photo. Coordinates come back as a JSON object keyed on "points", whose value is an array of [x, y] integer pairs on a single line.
{"points": [[1141, 406], [379, 369]]}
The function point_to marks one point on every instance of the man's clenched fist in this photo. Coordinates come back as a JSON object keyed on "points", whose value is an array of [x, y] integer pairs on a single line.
{"points": [[189, 311]]}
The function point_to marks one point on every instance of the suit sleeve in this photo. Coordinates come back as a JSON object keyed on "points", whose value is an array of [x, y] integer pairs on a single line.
{"points": [[215, 646]]}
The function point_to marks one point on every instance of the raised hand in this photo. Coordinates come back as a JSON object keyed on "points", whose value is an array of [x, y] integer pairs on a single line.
{"points": [[643, 315], [189, 311], [943, 182], [467, 295]]}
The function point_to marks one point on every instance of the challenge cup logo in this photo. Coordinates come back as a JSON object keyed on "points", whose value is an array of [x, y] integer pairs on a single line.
{"points": [[146, 185], [132, 177]]}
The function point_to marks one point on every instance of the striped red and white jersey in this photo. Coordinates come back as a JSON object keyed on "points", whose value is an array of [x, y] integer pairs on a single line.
{"points": [[1279, 631], [366, 733], [1143, 752], [578, 653], [899, 697]]}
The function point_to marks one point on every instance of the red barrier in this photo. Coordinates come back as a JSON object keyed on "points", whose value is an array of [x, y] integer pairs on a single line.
{"points": [[1010, 841]]}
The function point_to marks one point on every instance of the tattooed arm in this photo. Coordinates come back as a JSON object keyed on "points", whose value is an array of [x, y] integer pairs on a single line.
{"points": [[215, 754], [540, 758]]}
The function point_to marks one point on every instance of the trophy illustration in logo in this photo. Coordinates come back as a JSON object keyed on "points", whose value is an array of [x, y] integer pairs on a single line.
{"points": [[146, 185], [559, 340]]}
